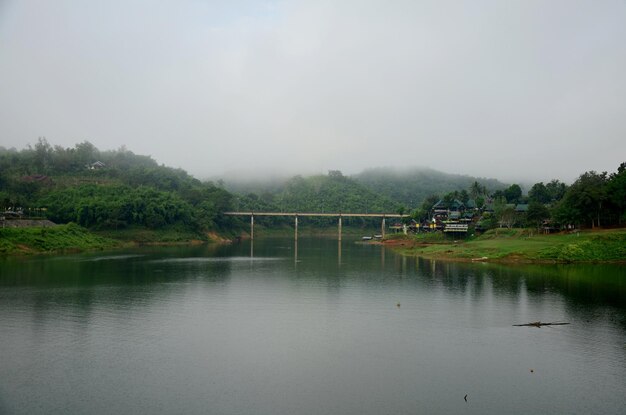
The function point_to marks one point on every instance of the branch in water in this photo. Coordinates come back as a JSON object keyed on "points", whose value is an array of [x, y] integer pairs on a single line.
{"points": [[539, 324]]}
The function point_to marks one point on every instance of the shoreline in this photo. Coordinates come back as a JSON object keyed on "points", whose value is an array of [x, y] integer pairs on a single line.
{"points": [[513, 246], [71, 238], [603, 246]]}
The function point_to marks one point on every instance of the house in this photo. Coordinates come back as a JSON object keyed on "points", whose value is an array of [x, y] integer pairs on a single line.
{"points": [[97, 165], [446, 211], [443, 206]]}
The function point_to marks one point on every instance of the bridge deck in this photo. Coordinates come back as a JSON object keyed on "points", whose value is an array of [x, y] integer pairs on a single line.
{"points": [[335, 215]]}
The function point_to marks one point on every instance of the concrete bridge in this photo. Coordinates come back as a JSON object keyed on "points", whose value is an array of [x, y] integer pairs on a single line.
{"points": [[295, 215]]}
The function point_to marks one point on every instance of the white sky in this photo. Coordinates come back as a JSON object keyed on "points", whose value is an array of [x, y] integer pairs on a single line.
{"points": [[526, 89]]}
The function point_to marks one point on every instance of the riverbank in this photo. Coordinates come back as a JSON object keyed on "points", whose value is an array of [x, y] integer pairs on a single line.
{"points": [[28, 240], [59, 238], [519, 246]]}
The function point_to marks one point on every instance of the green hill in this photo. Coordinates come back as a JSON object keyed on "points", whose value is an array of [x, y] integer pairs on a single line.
{"points": [[109, 190], [412, 186], [332, 193]]}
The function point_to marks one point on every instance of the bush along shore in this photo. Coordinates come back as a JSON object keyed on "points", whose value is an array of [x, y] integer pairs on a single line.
{"points": [[42, 237], [520, 245], [60, 238]]}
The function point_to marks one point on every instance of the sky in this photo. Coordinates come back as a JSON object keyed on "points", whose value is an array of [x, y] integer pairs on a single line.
{"points": [[517, 90]]}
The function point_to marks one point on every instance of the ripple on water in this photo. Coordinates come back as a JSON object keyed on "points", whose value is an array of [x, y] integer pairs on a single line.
{"points": [[218, 259], [111, 257]]}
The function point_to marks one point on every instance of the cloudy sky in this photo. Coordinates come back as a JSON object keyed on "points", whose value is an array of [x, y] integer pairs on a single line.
{"points": [[510, 89]]}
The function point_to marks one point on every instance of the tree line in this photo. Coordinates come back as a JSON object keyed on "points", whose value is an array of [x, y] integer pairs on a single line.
{"points": [[333, 192], [125, 190], [134, 190], [594, 199]]}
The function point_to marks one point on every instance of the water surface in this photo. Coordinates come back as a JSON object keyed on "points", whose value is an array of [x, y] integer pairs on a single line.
{"points": [[320, 328]]}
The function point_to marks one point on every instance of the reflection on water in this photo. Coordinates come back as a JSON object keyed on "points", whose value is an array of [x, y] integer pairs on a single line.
{"points": [[308, 326]]}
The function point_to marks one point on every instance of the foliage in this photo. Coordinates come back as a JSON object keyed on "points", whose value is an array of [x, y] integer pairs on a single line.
{"points": [[513, 193], [50, 239], [411, 187], [536, 214], [552, 192], [504, 213], [605, 246], [616, 191], [583, 202], [129, 190], [320, 194]]}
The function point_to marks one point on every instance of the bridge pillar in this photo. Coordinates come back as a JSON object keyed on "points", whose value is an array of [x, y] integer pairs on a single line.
{"points": [[296, 233], [339, 228], [382, 228], [339, 252], [252, 227]]}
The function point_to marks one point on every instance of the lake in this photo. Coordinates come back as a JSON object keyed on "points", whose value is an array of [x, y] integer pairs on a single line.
{"points": [[317, 328]]}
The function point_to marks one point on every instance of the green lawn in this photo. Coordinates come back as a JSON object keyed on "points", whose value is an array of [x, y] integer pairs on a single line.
{"points": [[522, 245]]}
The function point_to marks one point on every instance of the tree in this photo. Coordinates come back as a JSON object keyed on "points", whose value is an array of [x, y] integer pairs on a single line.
{"points": [[556, 189], [539, 193], [86, 153], [584, 200], [480, 202], [476, 190], [536, 214], [464, 196], [43, 155], [513, 193], [498, 194], [504, 213], [616, 189]]}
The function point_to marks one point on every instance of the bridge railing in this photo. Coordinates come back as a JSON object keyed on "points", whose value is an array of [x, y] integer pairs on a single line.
{"points": [[314, 214]]}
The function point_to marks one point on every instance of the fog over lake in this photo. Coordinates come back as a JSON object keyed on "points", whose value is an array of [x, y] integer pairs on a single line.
{"points": [[518, 90]]}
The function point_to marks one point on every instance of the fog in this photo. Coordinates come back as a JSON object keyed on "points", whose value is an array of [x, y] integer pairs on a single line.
{"points": [[518, 90]]}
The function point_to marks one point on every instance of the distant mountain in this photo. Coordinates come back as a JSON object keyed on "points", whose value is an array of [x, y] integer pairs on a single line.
{"points": [[331, 193], [257, 185], [373, 190], [412, 185]]}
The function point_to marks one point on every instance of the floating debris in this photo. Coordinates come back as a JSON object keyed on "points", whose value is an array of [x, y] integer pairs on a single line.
{"points": [[465, 397], [538, 324]]}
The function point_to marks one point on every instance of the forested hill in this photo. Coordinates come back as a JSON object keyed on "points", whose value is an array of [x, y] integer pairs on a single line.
{"points": [[412, 186], [404, 187], [321, 193], [108, 190]]}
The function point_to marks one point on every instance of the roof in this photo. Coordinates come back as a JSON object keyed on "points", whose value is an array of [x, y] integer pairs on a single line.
{"points": [[521, 207], [456, 204]]}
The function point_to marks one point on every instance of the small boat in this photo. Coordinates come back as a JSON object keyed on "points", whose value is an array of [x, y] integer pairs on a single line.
{"points": [[378, 236], [367, 238]]}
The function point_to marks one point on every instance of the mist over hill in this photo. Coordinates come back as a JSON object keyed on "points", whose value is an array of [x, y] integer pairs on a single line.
{"points": [[402, 186], [411, 186]]}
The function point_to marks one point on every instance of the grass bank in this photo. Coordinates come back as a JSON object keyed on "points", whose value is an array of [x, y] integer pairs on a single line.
{"points": [[29, 239], [145, 236], [61, 238], [519, 245]]}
